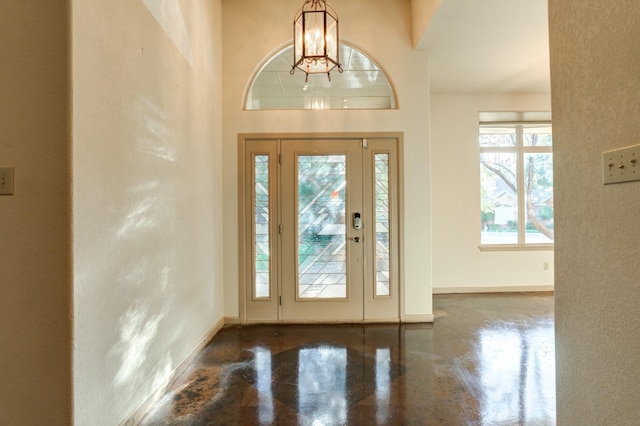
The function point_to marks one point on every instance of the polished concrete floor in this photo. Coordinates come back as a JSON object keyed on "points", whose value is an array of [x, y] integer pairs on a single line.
{"points": [[487, 360]]}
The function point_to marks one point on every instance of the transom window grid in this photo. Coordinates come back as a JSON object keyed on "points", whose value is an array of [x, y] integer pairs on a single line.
{"points": [[362, 85], [516, 179]]}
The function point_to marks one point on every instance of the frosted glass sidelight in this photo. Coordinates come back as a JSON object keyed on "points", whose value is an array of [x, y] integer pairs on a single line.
{"points": [[382, 209], [262, 259]]}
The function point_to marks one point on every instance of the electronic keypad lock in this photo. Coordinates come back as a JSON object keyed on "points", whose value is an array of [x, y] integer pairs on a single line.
{"points": [[357, 221]]}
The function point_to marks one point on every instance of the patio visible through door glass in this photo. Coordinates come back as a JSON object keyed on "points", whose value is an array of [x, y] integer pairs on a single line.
{"points": [[322, 270]]}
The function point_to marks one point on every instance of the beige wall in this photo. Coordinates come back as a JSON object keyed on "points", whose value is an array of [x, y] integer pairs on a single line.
{"points": [[595, 77], [35, 223], [456, 198], [421, 13], [147, 196], [253, 31]]}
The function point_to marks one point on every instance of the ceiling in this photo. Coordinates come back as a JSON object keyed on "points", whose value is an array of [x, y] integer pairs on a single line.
{"points": [[488, 46], [474, 46]]}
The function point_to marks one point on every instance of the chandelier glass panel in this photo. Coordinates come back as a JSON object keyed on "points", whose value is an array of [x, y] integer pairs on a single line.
{"points": [[315, 39]]}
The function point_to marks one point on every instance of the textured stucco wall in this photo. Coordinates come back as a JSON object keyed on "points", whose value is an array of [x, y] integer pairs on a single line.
{"points": [[35, 223], [595, 76], [147, 196]]}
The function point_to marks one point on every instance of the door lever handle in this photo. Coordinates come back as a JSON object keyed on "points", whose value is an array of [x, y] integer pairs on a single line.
{"points": [[355, 239]]}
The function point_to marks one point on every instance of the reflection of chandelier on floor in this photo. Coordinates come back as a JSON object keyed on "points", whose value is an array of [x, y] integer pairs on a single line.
{"points": [[315, 39]]}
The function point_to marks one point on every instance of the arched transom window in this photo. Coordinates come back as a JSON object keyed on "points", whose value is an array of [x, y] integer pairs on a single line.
{"points": [[362, 85]]}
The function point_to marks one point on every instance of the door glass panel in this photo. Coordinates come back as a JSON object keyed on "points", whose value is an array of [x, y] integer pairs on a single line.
{"points": [[321, 244], [381, 194], [261, 259]]}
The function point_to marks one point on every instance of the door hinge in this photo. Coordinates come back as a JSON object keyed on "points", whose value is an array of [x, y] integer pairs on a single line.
{"points": [[279, 158], [280, 229], [364, 143], [280, 300]]}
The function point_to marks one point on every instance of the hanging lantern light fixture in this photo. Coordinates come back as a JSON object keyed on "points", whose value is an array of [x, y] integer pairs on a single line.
{"points": [[315, 39]]}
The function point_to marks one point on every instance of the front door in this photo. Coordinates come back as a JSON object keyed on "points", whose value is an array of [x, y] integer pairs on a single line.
{"points": [[322, 247], [324, 232]]}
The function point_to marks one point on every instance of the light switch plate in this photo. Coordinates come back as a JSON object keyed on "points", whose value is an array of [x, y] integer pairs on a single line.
{"points": [[6, 180], [621, 165]]}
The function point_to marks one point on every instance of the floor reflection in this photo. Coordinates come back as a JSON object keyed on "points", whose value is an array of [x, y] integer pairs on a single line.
{"points": [[383, 383], [263, 385], [487, 360], [322, 384], [516, 375]]}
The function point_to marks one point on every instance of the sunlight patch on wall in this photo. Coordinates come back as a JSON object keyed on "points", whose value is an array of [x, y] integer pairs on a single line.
{"points": [[137, 332], [140, 218], [155, 135], [137, 364], [169, 16]]}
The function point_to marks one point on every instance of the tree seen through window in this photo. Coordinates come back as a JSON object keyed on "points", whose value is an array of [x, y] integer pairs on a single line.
{"points": [[516, 167]]}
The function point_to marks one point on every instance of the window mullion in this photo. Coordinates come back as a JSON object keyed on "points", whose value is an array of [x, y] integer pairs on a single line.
{"points": [[537, 149], [505, 149], [522, 223]]}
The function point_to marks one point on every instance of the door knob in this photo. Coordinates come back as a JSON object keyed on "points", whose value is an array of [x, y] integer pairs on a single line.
{"points": [[355, 239]]}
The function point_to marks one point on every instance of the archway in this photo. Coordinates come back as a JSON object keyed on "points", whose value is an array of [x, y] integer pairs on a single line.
{"points": [[362, 85]]}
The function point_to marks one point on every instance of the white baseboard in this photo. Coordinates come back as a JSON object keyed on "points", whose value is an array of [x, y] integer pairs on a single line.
{"points": [[418, 318], [324, 322], [494, 289], [382, 321], [231, 320], [139, 413]]}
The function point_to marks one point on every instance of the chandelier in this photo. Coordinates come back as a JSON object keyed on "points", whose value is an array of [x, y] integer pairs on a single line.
{"points": [[315, 39]]}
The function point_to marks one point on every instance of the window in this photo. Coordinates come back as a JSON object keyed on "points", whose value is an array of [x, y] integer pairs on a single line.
{"points": [[362, 85], [516, 179]]}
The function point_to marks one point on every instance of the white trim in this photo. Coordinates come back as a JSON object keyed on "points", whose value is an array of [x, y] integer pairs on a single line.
{"points": [[231, 320], [515, 247], [381, 321], [494, 289], [493, 118], [418, 318], [324, 322], [137, 415], [262, 322], [336, 322]]}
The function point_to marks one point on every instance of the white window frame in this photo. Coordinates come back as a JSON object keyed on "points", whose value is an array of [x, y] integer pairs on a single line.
{"points": [[519, 121]]}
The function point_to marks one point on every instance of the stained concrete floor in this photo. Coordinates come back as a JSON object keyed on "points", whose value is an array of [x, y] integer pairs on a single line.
{"points": [[488, 359]]}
